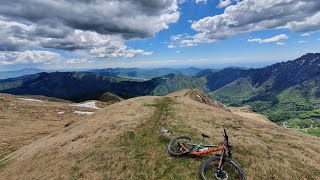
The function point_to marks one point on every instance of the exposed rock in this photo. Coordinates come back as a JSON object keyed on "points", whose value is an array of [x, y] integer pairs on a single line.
{"points": [[199, 96], [165, 131]]}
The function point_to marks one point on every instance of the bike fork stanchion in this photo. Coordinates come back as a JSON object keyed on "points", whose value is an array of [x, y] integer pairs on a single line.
{"points": [[220, 163]]}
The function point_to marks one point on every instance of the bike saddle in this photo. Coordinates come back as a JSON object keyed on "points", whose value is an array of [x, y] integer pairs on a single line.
{"points": [[205, 136]]}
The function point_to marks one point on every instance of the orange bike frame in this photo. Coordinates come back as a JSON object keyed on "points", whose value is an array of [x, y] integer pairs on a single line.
{"points": [[204, 152]]}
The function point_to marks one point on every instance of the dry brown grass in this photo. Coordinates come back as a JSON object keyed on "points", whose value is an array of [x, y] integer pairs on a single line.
{"points": [[22, 122], [252, 116], [124, 141]]}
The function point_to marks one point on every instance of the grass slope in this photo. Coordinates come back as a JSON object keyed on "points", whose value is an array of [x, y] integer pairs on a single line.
{"points": [[298, 106], [125, 141], [234, 93], [23, 122]]}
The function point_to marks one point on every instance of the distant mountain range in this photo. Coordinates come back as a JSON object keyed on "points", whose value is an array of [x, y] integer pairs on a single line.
{"points": [[84, 86], [145, 73], [283, 91], [133, 73], [286, 92], [18, 73]]}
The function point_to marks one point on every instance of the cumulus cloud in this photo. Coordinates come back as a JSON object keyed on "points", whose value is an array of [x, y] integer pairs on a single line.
{"points": [[128, 18], [224, 3], [302, 41], [176, 37], [29, 57], [171, 46], [305, 34], [117, 50], [270, 40], [93, 25], [76, 61], [14, 35], [255, 15], [189, 42]]}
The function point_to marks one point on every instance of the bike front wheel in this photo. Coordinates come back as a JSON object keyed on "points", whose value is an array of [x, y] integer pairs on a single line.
{"points": [[230, 170]]}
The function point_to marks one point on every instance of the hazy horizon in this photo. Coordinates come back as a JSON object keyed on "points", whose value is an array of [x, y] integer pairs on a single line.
{"points": [[209, 66]]}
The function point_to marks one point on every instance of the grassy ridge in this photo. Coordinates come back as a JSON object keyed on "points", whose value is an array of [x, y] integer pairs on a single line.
{"points": [[142, 154], [145, 148]]}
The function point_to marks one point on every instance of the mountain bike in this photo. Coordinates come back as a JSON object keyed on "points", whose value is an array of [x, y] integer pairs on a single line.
{"points": [[220, 166]]}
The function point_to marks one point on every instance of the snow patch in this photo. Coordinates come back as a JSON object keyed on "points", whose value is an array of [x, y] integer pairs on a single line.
{"points": [[86, 105], [34, 100], [60, 113], [82, 112], [315, 59], [302, 63]]}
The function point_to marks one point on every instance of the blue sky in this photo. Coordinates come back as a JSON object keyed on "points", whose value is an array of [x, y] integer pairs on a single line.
{"points": [[235, 50], [243, 43]]}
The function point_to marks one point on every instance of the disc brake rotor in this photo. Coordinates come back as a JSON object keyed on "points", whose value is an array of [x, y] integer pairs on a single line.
{"points": [[223, 176]]}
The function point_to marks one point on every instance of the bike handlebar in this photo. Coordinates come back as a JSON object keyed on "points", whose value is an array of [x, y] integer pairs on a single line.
{"points": [[226, 138]]}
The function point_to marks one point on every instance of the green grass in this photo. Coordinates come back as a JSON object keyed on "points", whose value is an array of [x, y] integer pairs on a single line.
{"points": [[141, 153], [233, 93], [178, 82], [148, 146], [296, 105], [314, 131], [298, 123]]}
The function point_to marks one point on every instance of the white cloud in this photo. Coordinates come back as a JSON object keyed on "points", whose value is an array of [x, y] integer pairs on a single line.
{"points": [[270, 40], [171, 46], [201, 1], [189, 43], [30, 57], [256, 15], [176, 37], [117, 50], [280, 44], [106, 25], [305, 34], [77, 39], [301, 42], [76, 61], [224, 3], [182, 1], [139, 18]]}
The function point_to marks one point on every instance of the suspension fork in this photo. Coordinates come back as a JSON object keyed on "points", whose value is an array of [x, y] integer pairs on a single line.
{"points": [[221, 162]]}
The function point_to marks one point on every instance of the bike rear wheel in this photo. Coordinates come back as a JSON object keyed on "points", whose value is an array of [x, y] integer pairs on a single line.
{"points": [[230, 170], [177, 146]]}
